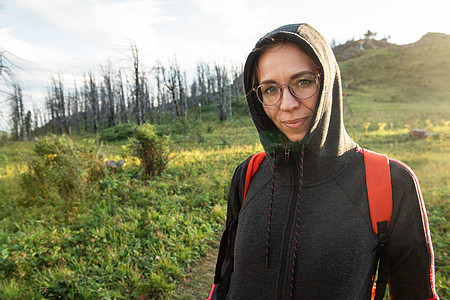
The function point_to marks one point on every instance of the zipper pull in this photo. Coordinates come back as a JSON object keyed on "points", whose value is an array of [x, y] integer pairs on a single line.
{"points": [[287, 151]]}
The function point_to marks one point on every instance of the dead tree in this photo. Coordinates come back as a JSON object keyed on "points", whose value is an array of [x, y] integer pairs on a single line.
{"points": [[92, 96], [123, 115], [68, 118], [160, 92], [147, 102], [103, 106], [221, 79], [27, 126], [86, 104], [7, 74], [201, 84], [17, 113], [109, 95], [144, 96], [137, 85], [60, 105], [75, 109], [36, 113], [51, 109], [210, 83], [171, 83], [181, 93], [237, 81]]}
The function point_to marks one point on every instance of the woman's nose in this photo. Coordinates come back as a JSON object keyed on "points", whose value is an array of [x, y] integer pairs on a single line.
{"points": [[288, 101]]}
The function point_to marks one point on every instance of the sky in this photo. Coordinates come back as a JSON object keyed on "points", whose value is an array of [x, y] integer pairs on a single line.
{"points": [[42, 38]]}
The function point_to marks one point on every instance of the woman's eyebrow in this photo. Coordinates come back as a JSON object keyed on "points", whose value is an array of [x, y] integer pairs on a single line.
{"points": [[268, 81], [304, 72]]}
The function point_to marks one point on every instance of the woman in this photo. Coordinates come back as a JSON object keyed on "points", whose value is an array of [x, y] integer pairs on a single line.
{"points": [[304, 229]]}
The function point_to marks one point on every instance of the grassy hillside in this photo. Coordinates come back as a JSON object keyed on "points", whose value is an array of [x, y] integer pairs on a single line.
{"points": [[94, 233], [410, 82]]}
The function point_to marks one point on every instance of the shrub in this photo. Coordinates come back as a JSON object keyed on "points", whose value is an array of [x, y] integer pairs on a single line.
{"points": [[151, 150], [117, 133], [62, 174]]}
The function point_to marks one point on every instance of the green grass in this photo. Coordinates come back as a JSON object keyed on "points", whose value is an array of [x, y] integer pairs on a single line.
{"points": [[133, 239]]}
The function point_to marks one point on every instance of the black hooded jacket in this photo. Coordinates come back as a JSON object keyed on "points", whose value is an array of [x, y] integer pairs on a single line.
{"points": [[320, 243]]}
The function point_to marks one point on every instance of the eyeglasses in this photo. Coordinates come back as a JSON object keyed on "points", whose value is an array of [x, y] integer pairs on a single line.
{"points": [[301, 87]]}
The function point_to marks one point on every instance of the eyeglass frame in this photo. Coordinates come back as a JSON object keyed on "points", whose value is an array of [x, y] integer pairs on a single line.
{"points": [[288, 85]]}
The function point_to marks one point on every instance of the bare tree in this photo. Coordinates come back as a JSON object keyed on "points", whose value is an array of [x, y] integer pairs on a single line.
{"points": [[181, 93], [123, 115], [195, 98], [51, 110], [237, 80], [6, 72], [137, 85], [144, 96], [103, 106], [60, 108], [201, 78], [171, 83], [221, 77], [92, 97], [194, 91], [210, 83], [17, 113], [160, 92], [76, 113], [109, 94], [27, 126], [68, 118], [86, 105], [147, 102], [55, 107], [36, 114]]}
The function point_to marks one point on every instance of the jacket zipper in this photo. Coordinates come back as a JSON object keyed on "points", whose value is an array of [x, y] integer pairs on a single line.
{"points": [[286, 258], [287, 151]]}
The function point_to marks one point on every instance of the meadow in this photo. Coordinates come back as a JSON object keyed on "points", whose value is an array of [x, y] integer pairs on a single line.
{"points": [[82, 230], [123, 238]]}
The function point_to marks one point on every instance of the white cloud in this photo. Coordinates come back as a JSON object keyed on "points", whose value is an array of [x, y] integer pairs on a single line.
{"points": [[100, 20]]}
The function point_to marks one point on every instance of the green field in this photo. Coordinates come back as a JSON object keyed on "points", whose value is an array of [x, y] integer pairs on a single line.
{"points": [[89, 232]]}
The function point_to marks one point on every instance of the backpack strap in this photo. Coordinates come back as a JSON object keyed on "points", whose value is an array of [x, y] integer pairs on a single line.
{"points": [[379, 192], [253, 166]]}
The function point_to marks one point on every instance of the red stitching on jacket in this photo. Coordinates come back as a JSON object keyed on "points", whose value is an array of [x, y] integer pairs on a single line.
{"points": [[269, 222], [297, 210], [426, 226]]}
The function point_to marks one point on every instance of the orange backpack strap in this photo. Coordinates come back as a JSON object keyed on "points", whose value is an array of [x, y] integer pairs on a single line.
{"points": [[379, 192], [252, 167]]}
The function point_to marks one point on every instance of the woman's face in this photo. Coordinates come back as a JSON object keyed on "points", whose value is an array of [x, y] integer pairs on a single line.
{"points": [[279, 65]]}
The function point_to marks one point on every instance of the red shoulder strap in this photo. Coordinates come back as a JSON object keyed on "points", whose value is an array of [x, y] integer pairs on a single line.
{"points": [[252, 167], [379, 190]]}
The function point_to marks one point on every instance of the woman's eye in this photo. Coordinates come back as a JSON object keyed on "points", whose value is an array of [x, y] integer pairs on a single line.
{"points": [[301, 82], [268, 90]]}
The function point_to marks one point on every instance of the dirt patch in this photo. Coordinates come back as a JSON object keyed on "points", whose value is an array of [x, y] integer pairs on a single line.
{"points": [[197, 283]]}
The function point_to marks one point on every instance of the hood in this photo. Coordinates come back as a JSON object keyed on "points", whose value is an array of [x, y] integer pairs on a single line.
{"points": [[326, 136]]}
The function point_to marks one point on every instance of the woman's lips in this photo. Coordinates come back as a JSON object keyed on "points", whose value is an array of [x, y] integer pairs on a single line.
{"points": [[294, 124]]}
